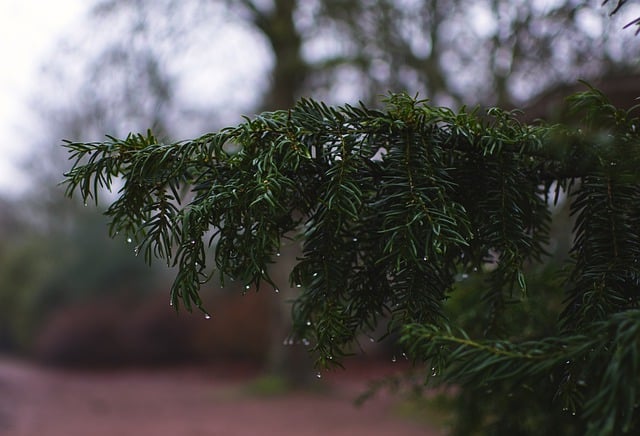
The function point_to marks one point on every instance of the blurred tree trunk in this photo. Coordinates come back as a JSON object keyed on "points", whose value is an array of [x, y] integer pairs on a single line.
{"points": [[290, 71]]}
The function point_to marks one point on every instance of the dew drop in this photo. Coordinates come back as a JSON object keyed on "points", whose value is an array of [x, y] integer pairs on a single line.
{"points": [[355, 239], [394, 359], [298, 285], [371, 339], [136, 251], [425, 258], [405, 356], [247, 286], [85, 204], [129, 240], [277, 290], [315, 274], [318, 375], [278, 254], [308, 322], [207, 316]]}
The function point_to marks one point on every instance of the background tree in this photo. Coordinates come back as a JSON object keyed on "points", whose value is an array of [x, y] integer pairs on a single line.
{"points": [[337, 51]]}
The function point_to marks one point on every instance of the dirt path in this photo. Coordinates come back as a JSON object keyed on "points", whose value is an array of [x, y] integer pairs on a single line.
{"points": [[36, 401]]}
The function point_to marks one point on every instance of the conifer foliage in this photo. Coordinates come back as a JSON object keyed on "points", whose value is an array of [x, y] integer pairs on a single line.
{"points": [[391, 207]]}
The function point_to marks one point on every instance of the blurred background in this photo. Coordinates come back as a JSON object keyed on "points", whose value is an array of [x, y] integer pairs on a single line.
{"points": [[78, 70]]}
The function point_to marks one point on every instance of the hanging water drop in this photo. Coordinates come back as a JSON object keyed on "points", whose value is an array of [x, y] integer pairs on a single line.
{"points": [[247, 286], [207, 316], [277, 290], [278, 254], [129, 240], [308, 322], [315, 274], [298, 285], [394, 359], [355, 239], [371, 339], [318, 375]]}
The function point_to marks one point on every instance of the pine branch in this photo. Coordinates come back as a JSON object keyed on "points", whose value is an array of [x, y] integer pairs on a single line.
{"points": [[391, 206]]}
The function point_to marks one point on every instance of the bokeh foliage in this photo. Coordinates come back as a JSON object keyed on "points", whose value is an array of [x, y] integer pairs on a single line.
{"points": [[43, 269]]}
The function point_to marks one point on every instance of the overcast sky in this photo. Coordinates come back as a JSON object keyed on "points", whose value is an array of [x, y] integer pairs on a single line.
{"points": [[28, 30]]}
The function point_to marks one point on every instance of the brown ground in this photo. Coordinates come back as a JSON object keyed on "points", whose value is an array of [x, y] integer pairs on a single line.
{"points": [[187, 401]]}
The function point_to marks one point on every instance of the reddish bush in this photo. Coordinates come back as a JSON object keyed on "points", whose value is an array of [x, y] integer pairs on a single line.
{"points": [[114, 331]]}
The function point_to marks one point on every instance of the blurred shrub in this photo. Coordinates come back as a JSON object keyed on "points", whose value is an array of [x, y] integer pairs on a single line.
{"points": [[74, 296], [45, 270], [111, 331]]}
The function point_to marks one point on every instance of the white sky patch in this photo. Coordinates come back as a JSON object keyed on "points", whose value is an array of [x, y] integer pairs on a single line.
{"points": [[590, 22], [224, 72], [28, 28], [482, 20]]}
